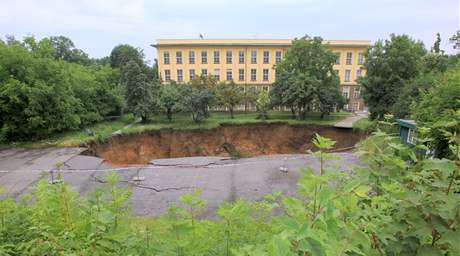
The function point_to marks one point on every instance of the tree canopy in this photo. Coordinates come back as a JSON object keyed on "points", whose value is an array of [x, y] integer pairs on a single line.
{"points": [[389, 65], [305, 79]]}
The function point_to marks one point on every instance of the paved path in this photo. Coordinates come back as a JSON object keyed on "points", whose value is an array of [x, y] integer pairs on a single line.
{"points": [[349, 121], [221, 179]]}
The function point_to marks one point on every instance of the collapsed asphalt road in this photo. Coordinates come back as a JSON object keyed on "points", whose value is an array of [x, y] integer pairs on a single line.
{"points": [[222, 179]]}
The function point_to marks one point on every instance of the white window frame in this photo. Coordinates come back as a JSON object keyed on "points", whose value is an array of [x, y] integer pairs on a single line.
{"points": [[191, 57], [347, 77], [204, 57], [216, 57], [359, 73], [180, 75], [191, 74], [253, 74], [229, 57], [266, 57], [167, 75], [217, 74], [253, 57], [178, 57], [278, 56], [204, 72], [241, 74], [360, 58], [166, 58], [229, 75], [411, 136], [265, 74], [241, 57], [349, 59]]}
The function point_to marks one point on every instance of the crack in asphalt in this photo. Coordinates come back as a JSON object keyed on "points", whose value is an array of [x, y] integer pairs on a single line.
{"points": [[96, 179]]}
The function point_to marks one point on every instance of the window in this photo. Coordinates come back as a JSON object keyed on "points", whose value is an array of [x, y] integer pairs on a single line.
{"points": [[241, 74], [360, 58], [278, 56], [345, 91], [229, 57], [204, 72], [167, 75], [229, 75], [356, 92], [166, 57], [337, 59], [216, 57], [192, 74], [265, 88], [265, 75], [349, 58], [180, 75], [358, 73], [411, 137], [266, 57], [191, 57], [347, 75], [254, 57], [204, 57], [253, 74], [178, 57], [241, 57], [336, 72], [355, 106], [217, 74]]}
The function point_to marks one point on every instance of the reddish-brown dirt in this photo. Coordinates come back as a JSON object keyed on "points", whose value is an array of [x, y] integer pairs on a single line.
{"points": [[225, 140]]}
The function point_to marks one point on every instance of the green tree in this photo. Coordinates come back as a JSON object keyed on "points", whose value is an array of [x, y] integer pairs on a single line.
{"points": [[249, 97], [455, 40], [263, 105], [229, 95], [124, 53], [306, 76], [139, 93], [64, 49], [437, 45], [389, 65], [170, 99]]}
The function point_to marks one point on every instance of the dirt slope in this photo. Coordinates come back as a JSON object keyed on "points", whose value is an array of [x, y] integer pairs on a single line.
{"points": [[226, 140]]}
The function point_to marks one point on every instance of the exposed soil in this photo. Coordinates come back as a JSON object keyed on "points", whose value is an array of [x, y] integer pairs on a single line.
{"points": [[225, 140]]}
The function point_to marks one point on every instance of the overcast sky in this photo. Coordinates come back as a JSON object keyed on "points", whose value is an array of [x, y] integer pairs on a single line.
{"points": [[96, 26]]}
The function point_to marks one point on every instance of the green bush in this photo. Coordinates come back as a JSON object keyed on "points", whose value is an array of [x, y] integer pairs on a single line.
{"points": [[40, 95], [391, 207]]}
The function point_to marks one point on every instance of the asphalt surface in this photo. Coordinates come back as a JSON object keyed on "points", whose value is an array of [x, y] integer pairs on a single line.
{"points": [[165, 180]]}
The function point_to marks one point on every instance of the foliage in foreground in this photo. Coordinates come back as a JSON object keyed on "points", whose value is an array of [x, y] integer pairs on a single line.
{"points": [[401, 204]]}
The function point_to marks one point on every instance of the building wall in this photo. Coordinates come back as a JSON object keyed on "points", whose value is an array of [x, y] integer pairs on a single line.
{"points": [[248, 46]]}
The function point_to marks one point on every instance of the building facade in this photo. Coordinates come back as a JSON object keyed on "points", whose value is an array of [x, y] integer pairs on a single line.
{"points": [[251, 62]]}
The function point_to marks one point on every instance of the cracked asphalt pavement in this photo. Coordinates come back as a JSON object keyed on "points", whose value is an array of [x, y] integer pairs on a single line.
{"points": [[222, 179]]}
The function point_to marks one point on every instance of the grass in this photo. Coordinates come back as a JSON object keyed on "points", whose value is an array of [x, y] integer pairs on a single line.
{"points": [[183, 121], [105, 129], [364, 125]]}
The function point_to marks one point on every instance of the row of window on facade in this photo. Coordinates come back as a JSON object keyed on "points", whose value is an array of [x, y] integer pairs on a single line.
{"points": [[228, 57], [241, 57], [349, 58], [241, 74], [216, 74]]}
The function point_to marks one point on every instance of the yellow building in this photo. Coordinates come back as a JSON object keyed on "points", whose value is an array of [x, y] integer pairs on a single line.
{"points": [[251, 62]]}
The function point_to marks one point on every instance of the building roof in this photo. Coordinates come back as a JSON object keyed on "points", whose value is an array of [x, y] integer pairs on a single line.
{"points": [[251, 42], [407, 123]]}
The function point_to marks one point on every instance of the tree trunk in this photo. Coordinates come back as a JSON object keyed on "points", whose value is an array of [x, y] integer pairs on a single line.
{"points": [[169, 114], [231, 111]]}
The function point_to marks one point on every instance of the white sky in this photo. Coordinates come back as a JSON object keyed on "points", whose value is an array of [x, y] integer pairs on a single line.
{"points": [[96, 26]]}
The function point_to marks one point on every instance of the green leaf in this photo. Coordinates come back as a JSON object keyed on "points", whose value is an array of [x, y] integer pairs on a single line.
{"points": [[313, 246], [428, 250], [362, 191]]}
